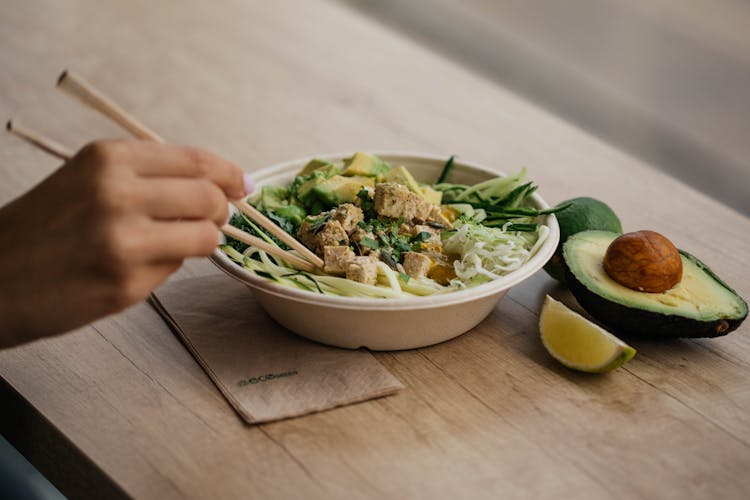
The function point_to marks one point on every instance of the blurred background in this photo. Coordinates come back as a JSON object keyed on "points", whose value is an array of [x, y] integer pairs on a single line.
{"points": [[665, 80]]}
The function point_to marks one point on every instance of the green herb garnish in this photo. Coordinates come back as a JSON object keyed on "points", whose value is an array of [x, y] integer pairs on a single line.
{"points": [[367, 204], [317, 225], [369, 243]]}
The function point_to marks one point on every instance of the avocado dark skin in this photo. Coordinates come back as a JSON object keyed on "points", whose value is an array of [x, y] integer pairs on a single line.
{"points": [[634, 322]]}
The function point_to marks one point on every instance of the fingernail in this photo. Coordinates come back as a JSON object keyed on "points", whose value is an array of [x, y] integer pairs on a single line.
{"points": [[248, 183]]}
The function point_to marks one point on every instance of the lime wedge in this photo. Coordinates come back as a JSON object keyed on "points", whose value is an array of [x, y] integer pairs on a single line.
{"points": [[577, 342]]}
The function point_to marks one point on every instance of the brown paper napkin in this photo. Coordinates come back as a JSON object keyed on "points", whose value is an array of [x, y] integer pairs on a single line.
{"points": [[265, 372]]}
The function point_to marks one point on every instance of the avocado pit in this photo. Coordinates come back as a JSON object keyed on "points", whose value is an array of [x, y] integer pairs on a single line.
{"points": [[645, 261]]}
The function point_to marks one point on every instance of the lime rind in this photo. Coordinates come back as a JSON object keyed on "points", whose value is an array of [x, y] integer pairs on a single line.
{"points": [[596, 336]]}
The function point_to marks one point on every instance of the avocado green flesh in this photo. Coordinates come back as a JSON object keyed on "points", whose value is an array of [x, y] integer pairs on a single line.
{"points": [[274, 197], [698, 295], [366, 165], [400, 175], [316, 164], [339, 189], [313, 179]]}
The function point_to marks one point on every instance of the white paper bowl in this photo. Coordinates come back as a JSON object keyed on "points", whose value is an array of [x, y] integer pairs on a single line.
{"points": [[385, 324]]}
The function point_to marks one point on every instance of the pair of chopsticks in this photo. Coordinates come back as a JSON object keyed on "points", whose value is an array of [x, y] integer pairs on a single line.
{"points": [[91, 97]]}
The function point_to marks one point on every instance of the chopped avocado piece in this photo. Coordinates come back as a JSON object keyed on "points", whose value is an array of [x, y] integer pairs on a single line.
{"points": [[366, 165], [272, 197], [315, 164], [339, 189], [295, 214], [277, 199], [327, 171], [700, 305], [430, 195], [303, 184], [305, 189], [402, 176], [316, 208]]}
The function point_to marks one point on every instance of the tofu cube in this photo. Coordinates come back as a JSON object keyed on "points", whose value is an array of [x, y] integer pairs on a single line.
{"points": [[433, 243], [406, 228], [390, 199], [362, 269], [306, 234], [395, 200], [336, 259], [333, 234], [437, 215], [315, 237], [416, 265], [348, 215]]}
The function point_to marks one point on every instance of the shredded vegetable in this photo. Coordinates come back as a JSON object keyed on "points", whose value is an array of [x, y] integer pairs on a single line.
{"points": [[487, 252]]}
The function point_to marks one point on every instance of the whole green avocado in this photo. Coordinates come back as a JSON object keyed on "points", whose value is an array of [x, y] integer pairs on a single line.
{"points": [[582, 214]]}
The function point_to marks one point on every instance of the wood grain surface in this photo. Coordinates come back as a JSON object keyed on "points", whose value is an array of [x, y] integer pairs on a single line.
{"points": [[119, 408]]}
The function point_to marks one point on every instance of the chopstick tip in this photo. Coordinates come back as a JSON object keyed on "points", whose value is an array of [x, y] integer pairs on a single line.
{"points": [[62, 77], [9, 126]]}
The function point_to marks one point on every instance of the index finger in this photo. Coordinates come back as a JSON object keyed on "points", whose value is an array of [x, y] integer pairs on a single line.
{"points": [[150, 159]]}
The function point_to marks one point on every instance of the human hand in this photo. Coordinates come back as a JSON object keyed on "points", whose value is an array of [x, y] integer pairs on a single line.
{"points": [[105, 229]]}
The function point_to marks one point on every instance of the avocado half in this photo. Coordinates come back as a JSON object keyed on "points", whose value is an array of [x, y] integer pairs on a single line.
{"points": [[700, 305]]}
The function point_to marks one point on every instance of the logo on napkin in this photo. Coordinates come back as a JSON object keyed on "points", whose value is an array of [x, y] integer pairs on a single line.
{"points": [[266, 378]]}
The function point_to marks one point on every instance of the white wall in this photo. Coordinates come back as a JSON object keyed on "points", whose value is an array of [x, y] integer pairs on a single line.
{"points": [[666, 80]]}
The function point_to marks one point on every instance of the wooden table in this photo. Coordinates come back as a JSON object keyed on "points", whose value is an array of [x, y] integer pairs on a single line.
{"points": [[120, 408]]}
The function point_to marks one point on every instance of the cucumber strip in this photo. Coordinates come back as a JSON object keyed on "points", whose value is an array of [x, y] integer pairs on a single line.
{"points": [[446, 170], [498, 187]]}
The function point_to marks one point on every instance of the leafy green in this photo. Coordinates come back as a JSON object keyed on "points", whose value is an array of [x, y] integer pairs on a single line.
{"points": [[369, 243], [421, 236], [241, 221], [367, 204], [387, 239], [317, 225], [417, 240], [284, 223]]}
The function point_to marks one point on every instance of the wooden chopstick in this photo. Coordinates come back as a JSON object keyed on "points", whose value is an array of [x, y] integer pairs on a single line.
{"points": [[59, 151], [87, 94], [274, 229], [36, 139], [239, 234], [90, 96]]}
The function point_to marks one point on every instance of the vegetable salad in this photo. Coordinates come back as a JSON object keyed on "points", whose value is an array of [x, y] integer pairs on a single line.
{"points": [[382, 234]]}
